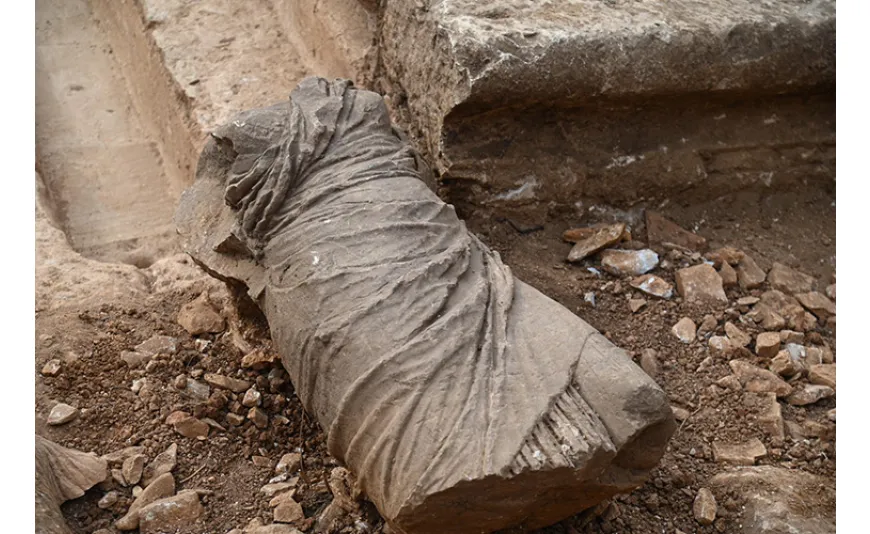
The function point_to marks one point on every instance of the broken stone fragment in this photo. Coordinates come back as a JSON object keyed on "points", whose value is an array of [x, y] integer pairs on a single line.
{"points": [[588, 241], [708, 326], [629, 262], [187, 425], [289, 511], [701, 284], [51, 368], [831, 291], [170, 513], [132, 469], [728, 275], [809, 394], [119, 456], [759, 380], [331, 308], [636, 304], [775, 499], [162, 463], [289, 463], [744, 453], [62, 414], [684, 330], [661, 230], [649, 362], [252, 398], [789, 280], [770, 417], [767, 344], [749, 274], [199, 317], [764, 316], [704, 507], [720, 345], [723, 255], [785, 365], [163, 486], [824, 374], [224, 382], [817, 303], [653, 285], [258, 359], [259, 417], [738, 337]]}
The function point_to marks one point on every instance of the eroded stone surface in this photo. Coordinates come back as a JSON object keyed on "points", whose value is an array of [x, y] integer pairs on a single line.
{"points": [[218, 223]]}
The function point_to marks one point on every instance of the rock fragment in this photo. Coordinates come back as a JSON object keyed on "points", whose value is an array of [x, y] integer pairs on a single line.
{"points": [[252, 398], [789, 280], [759, 380], [661, 230], [588, 241], [744, 453], [636, 304], [61, 414], [119, 456], [738, 337], [728, 275], [704, 507], [708, 326], [51, 368], [831, 291], [199, 317], [720, 345], [721, 256], [132, 469], [701, 284], [161, 464], [289, 511], [170, 513], [148, 349], [653, 285], [767, 344], [649, 362], [258, 359], [259, 417], [817, 303], [809, 394], [270, 490], [108, 500], [629, 262], [680, 414], [824, 374], [187, 425], [749, 274], [780, 500], [224, 382], [289, 463], [163, 486], [784, 364], [685, 330], [770, 417]]}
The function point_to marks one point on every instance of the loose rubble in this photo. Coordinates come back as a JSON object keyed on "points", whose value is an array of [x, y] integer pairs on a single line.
{"points": [[701, 284]]}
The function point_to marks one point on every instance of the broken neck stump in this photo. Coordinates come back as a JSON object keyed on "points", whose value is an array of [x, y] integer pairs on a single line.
{"points": [[461, 398]]}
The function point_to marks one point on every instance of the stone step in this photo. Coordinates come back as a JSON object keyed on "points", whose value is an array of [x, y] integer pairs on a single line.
{"points": [[517, 101]]}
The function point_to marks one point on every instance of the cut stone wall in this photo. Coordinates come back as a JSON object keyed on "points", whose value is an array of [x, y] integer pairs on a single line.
{"points": [[519, 101]]}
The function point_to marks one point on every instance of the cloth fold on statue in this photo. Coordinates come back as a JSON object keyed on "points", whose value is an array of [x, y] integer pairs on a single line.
{"points": [[411, 342]]}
